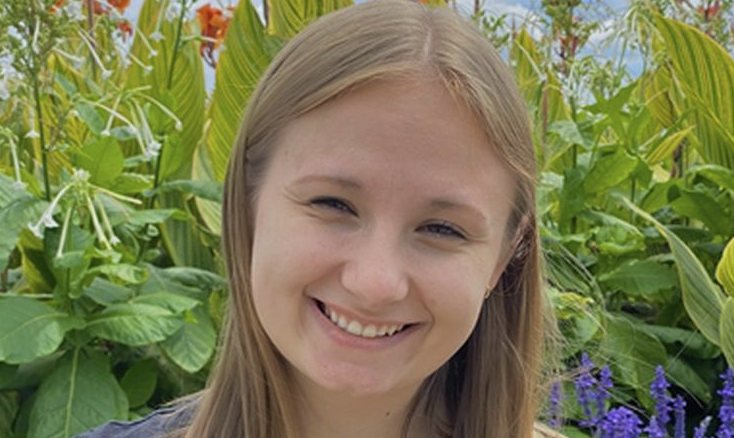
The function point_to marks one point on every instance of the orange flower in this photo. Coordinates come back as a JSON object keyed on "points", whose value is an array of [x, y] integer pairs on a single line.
{"points": [[56, 6], [102, 7], [126, 27], [214, 24]]}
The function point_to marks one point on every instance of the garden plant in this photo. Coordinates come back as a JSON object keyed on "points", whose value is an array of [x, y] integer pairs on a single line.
{"points": [[113, 150]]}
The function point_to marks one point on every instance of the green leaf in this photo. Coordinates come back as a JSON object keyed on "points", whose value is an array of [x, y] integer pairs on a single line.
{"points": [[238, 70], [633, 353], [725, 269], [526, 62], [705, 71], [8, 411], [181, 89], [139, 382], [30, 329], [609, 171], [176, 304], [131, 183], [210, 212], [701, 297], [90, 117], [78, 395], [102, 158], [288, 18], [665, 148], [193, 344], [139, 218], [210, 190], [134, 324], [718, 174], [106, 293], [690, 343], [701, 206], [122, 271], [683, 375], [640, 277], [568, 131], [15, 215], [7, 373], [726, 328]]}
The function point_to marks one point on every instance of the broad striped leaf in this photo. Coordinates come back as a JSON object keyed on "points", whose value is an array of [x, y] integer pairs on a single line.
{"points": [[526, 63], [727, 330], [702, 299], [725, 269], [287, 18], [706, 72], [665, 148], [240, 66]]}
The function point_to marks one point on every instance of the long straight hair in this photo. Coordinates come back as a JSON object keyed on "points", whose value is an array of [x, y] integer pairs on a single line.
{"points": [[487, 389]]}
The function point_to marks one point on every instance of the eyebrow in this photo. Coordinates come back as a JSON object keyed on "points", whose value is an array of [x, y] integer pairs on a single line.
{"points": [[343, 182]]}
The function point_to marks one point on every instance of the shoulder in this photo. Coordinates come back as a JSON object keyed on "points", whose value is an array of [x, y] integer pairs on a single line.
{"points": [[542, 431], [155, 425]]}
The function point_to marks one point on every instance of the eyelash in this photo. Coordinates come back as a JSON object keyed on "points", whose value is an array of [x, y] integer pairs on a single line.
{"points": [[333, 204], [441, 229], [444, 229]]}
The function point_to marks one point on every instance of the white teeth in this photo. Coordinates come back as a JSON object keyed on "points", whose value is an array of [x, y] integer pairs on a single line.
{"points": [[356, 328], [369, 331]]}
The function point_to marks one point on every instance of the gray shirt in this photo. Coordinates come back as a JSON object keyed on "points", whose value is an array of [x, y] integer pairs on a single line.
{"points": [[155, 425]]}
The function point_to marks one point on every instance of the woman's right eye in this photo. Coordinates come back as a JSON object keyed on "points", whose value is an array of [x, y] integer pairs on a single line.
{"points": [[332, 203]]}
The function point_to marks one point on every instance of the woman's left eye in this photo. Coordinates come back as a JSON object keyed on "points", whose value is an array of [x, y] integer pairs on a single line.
{"points": [[444, 229]]}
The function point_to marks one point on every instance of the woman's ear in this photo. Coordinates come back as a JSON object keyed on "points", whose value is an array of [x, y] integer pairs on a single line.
{"points": [[516, 244]]}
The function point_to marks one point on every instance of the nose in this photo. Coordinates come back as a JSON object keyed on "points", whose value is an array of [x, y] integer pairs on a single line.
{"points": [[376, 270]]}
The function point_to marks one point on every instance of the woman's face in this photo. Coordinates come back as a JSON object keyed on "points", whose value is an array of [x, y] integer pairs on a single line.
{"points": [[379, 225]]}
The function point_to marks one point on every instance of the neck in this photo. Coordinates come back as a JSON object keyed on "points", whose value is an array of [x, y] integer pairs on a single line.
{"points": [[327, 414]]}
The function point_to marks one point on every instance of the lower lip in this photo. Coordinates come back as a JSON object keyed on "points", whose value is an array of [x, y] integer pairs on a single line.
{"points": [[346, 339]]}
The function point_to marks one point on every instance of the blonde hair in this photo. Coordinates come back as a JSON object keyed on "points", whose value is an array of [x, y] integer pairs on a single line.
{"points": [[487, 389]]}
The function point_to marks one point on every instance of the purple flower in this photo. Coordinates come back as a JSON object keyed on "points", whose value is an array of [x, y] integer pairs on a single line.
{"points": [[655, 430], [585, 392], [620, 423], [602, 393], [555, 405], [659, 391], [700, 431], [726, 412], [679, 407]]}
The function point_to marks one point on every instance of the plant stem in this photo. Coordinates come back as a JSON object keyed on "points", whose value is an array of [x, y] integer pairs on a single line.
{"points": [[177, 43], [90, 24], [44, 152]]}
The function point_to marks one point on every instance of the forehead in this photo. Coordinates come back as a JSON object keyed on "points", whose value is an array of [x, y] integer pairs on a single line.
{"points": [[404, 133]]}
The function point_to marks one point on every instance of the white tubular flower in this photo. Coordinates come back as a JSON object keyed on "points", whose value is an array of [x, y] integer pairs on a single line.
{"points": [[80, 175], [32, 133], [152, 149], [48, 220], [95, 223], [173, 10], [35, 229], [157, 36]]}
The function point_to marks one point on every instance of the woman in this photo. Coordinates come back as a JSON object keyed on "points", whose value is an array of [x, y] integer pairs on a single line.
{"points": [[380, 237]]}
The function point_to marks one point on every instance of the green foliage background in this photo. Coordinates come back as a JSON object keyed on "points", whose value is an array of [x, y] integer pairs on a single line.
{"points": [[111, 165]]}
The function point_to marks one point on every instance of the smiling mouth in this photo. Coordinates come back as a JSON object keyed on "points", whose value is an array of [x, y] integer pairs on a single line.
{"points": [[356, 328]]}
